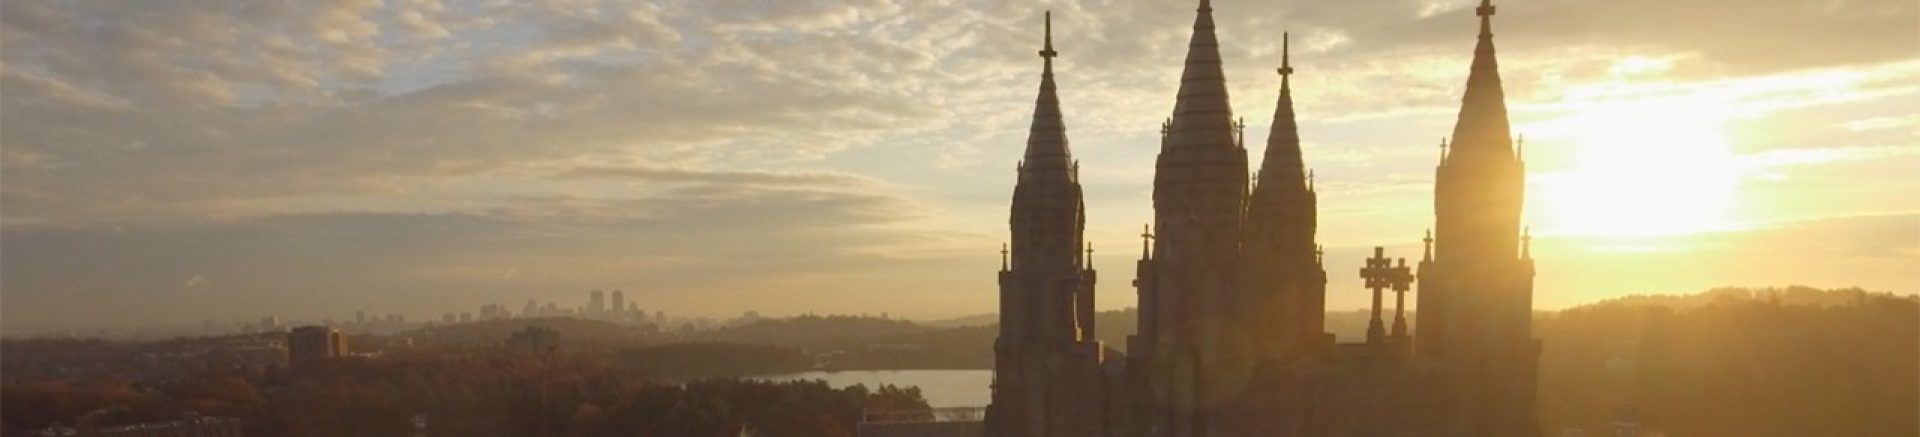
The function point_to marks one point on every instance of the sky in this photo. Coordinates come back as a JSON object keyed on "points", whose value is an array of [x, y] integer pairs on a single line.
{"points": [[182, 161]]}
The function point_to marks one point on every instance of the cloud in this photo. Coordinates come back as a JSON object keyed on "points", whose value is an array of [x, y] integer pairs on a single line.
{"points": [[725, 238], [510, 134]]}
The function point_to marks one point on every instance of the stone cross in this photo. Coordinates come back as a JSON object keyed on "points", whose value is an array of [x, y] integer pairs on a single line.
{"points": [[1089, 263], [1379, 276], [1402, 281]]}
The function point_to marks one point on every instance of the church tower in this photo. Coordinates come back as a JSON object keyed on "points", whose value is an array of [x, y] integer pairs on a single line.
{"points": [[1283, 284], [1047, 375], [1282, 298], [1476, 291], [1196, 359]]}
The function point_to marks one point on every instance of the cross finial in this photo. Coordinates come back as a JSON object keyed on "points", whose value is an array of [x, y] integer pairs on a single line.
{"points": [[1206, 6], [1520, 147], [1003, 256], [1146, 241], [1048, 51], [1240, 131], [1309, 179], [1286, 65], [1485, 11], [1319, 253], [1427, 254], [1089, 254]]}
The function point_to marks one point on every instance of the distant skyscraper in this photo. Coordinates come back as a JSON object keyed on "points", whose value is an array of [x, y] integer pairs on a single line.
{"points": [[619, 301], [596, 303], [309, 344]]}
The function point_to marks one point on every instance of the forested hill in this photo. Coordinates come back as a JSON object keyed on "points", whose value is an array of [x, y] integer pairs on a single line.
{"points": [[1763, 362]]}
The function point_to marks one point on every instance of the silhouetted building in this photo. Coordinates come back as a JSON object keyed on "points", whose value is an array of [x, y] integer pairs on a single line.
{"points": [[308, 344], [1232, 287], [1047, 377], [619, 302], [596, 303]]}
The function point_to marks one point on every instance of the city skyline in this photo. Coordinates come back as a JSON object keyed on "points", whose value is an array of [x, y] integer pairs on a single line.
{"points": [[855, 157]]}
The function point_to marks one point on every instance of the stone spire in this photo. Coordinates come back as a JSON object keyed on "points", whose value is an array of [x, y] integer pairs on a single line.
{"points": [[1482, 128], [1047, 153], [1201, 115], [1283, 164]]}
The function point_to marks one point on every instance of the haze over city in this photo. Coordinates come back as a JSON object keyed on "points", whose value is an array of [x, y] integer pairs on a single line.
{"points": [[185, 161]]}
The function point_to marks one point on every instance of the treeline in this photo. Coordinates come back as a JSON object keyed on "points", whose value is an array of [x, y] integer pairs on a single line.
{"points": [[689, 361], [479, 394], [1750, 362]]}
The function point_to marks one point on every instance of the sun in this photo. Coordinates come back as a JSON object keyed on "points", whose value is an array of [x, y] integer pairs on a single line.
{"points": [[1641, 170]]}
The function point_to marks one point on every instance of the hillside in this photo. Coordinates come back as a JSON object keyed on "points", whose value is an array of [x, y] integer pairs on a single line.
{"points": [[1770, 362], [574, 333]]}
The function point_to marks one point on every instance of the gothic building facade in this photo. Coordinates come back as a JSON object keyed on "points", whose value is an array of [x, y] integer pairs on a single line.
{"points": [[1232, 287]]}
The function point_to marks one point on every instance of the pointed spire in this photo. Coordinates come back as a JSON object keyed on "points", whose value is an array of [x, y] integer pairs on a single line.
{"points": [[1202, 116], [1482, 128], [1443, 150], [1427, 254], [1047, 152], [1146, 241], [1089, 263], [1283, 163], [1520, 147]]}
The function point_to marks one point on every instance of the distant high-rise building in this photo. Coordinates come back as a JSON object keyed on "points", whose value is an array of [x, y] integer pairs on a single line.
{"points": [[619, 303], [309, 344], [532, 310], [360, 317], [466, 317], [596, 303]]}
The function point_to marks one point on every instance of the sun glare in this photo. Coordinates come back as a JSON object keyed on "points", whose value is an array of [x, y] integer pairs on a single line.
{"points": [[1642, 170]]}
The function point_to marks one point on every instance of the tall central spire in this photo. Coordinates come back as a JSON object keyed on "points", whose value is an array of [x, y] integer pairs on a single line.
{"points": [[1047, 152], [1482, 128], [1201, 114]]}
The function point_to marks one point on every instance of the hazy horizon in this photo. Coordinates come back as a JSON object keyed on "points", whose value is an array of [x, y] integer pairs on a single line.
{"points": [[185, 161]]}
